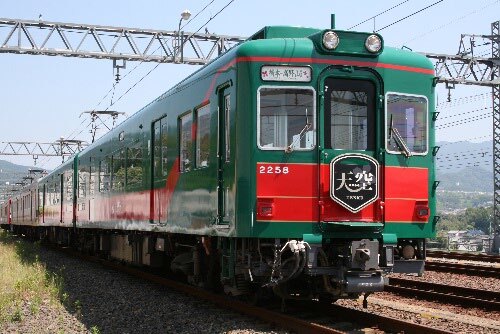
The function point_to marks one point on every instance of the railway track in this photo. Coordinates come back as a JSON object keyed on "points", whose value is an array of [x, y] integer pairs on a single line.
{"points": [[466, 297], [459, 268], [290, 322], [464, 256]]}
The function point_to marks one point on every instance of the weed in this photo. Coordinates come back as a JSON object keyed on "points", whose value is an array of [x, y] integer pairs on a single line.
{"points": [[35, 304], [17, 316], [95, 330]]}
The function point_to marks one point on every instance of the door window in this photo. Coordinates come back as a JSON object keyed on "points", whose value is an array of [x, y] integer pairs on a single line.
{"points": [[349, 114], [186, 142], [202, 136]]}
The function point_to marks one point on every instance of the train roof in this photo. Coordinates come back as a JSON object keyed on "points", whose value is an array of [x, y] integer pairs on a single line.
{"points": [[288, 42]]}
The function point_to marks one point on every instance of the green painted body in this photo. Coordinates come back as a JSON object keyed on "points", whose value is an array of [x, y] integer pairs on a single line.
{"points": [[189, 202]]}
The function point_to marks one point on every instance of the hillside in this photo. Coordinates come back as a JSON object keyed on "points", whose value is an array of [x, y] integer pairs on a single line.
{"points": [[465, 166], [10, 174]]}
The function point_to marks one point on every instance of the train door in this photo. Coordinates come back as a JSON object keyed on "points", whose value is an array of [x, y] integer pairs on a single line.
{"points": [[349, 134], [158, 170], [225, 209]]}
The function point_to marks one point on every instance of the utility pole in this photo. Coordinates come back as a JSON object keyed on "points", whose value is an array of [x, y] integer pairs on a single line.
{"points": [[466, 68]]}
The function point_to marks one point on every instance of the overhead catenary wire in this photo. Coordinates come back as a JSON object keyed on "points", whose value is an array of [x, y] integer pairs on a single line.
{"points": [[383, 12], [464, 121], [475, 11], [113, 88], [463, 100], [155, 67], [408, 16]]}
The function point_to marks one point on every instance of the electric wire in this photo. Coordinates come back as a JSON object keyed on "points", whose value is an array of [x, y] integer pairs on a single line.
{"points": [[463, 113], [414, 13], [385, 11], [489, 137], [155, 67], [463, 100], [450, 23], [464, 121], [112, 89], [468, 164]]}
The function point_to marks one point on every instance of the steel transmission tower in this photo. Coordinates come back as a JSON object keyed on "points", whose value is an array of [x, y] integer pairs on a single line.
{"points": [[468, 68]]}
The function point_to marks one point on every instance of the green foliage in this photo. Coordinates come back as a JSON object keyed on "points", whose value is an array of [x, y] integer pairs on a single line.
{"points": [[459, 200], [473, 218], [24, 281], [95, 330], [17, 315]]}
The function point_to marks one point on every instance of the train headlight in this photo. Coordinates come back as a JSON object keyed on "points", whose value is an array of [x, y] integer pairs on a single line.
{"points": [[373, 43], [330, 40]]}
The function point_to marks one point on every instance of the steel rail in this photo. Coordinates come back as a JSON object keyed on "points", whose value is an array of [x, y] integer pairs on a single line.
{"points": [[279, 319], [457, 268], [381, 322], [464, 256], [273, 317], [463, 296]]}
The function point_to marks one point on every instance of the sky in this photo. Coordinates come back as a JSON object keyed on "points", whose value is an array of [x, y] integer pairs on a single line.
{"points": [[42, 98]]}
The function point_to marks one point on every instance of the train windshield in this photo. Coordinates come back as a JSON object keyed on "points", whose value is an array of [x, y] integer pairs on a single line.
{"points": [[406, 124], [286, 118], [349, 114]]}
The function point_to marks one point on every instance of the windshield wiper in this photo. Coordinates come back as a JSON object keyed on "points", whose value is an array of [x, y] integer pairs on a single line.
{"points": [[398, 139], [302, 132]]}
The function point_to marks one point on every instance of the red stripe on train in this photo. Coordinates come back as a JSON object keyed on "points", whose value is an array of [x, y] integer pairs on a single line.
{"points": [[291, 191]]}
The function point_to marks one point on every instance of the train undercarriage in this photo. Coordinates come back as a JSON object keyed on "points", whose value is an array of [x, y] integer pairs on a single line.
{"points": [[290, 269]]}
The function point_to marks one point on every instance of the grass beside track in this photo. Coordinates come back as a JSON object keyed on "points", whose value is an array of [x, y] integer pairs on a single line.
{"points": [[25, 283]]}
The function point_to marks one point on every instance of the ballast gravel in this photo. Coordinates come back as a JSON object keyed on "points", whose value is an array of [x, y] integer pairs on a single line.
{"points": [[100, 300]]}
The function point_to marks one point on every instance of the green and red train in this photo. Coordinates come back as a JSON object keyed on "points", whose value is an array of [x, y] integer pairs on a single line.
{"points": [[302, 160]]}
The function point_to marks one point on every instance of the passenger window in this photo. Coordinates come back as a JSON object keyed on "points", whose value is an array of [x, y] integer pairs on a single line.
{"points": [[104, 176], [186, 142], [227, 126], [82, 183], [69, 186], [134, 166], [286, 118], [118, 171], [202, 136], [406, 123]]}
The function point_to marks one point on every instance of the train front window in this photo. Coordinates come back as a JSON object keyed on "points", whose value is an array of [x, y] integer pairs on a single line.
{"points": [[406, 124], [349, 114], [286, 118]]}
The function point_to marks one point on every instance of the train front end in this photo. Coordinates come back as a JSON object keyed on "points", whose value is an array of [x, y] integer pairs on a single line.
{"points": [[342, 161]]}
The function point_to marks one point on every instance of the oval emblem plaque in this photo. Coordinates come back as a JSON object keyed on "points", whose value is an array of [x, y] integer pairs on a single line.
{"points": [[354, 180]]}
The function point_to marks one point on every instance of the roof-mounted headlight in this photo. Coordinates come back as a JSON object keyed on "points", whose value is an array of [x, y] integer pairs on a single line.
{"points": [[330, 40], [373, 43]]}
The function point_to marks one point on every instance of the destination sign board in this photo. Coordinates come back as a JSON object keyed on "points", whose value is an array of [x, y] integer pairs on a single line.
{"points": [[286, 73]]}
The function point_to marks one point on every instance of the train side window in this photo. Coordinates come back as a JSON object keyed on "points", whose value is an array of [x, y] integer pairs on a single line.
{"points": [[134, 166], [93, 176], [104, 175], [286, 118], [118, 171], [58, 189], [82, 182], [227, 126], [186, 142], [69, 186], [202, 136], [406, 120]]}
